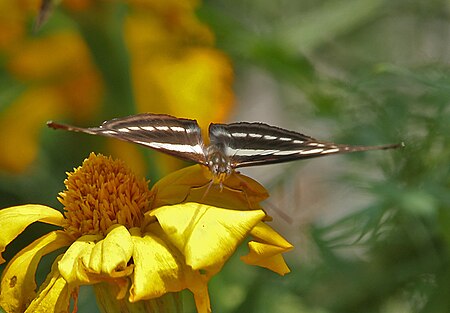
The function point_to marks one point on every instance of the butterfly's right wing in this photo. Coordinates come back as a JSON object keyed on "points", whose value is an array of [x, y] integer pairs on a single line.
{"points": [[178, 137], [251, 144]]}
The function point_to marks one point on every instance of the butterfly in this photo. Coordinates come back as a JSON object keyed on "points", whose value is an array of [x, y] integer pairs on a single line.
{"points": [[231, 146]]}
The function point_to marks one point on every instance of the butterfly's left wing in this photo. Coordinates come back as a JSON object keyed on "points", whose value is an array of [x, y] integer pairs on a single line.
{"points": [[179, 137], [248, 144]]}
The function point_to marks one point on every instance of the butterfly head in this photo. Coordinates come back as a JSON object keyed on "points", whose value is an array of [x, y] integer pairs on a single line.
{"points": [[219, 164]]}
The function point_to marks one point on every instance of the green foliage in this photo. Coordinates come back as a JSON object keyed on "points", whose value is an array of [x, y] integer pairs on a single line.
{"points": [[362, 70]]}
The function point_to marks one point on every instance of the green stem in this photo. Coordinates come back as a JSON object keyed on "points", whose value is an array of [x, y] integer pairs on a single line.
{"points": [[102, 29], [106, 299]]}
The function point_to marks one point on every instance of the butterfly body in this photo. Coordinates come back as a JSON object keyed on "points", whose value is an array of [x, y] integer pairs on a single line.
{"points": [[231, 145], [218, 163]]}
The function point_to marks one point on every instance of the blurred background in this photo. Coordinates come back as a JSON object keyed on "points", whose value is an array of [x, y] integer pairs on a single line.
{"points": [[371, 230]]}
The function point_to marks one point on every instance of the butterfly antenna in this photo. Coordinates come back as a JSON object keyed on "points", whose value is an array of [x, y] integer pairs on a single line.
{"points": [[279, 212], [56, 125], [367, 148]]}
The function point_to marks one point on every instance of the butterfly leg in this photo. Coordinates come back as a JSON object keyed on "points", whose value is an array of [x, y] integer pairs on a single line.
{"points": [[224, 189], [208, 186], [207, 190]]}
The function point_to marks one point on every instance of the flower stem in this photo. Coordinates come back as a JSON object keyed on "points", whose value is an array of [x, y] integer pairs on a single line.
{"points": [[108, 303]]}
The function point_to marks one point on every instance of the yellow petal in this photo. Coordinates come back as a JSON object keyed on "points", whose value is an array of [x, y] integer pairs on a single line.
{"points": [[54, 295], [266, 251], [80, 265], [15, 219], [238, 192], [175, 187], [70, 264], [18, 279], [191, 184], [267, 256], [111, 255], [201, 296], [206, 235], [264, 233], [158, 267], [165, 270]]}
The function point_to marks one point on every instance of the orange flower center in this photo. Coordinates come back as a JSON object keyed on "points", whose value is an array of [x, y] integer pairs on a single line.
{"points": [[103, 192]]}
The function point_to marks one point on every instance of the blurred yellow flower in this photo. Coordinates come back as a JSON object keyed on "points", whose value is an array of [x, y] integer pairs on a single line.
{"points": [[13, 18], [175, 70], [56, 78], [131, 253]]}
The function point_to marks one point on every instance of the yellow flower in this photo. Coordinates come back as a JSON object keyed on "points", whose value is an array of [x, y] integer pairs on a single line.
{"points": [[138, 248], [174, 66], [239, 192], [52, 72]]}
